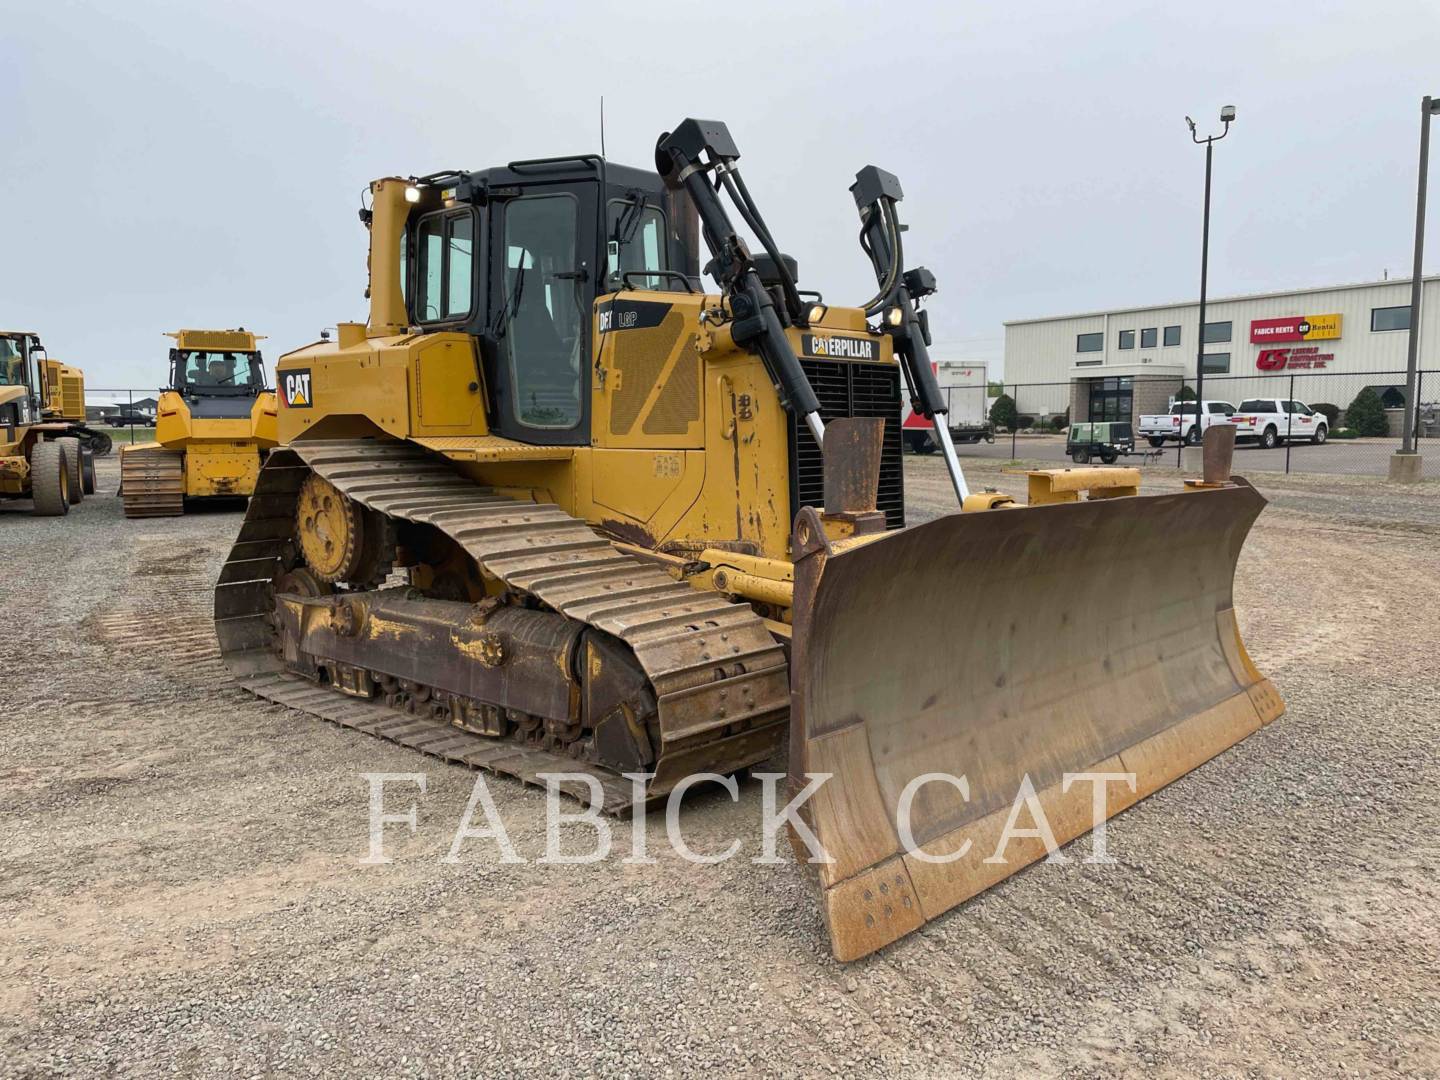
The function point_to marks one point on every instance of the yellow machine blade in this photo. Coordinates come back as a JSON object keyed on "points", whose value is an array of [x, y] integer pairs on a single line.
{"points": [[1093, 636]]}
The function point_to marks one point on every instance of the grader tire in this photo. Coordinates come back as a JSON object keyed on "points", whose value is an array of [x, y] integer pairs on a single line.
{"points": [[74, 471], [49, 480], [87, 471]]}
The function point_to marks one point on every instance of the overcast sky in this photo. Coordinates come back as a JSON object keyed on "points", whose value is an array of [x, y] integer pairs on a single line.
{"points": [[200, 164]]}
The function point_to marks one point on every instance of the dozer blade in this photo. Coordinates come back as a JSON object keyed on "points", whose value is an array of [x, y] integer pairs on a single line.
{"points": [[1094, 636]]}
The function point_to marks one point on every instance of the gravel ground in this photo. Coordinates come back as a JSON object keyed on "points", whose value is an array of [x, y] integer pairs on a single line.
{"points": [[181, 888]]}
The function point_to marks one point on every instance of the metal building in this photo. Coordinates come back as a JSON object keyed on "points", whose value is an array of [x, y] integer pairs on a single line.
{"points": [[1116, 365]]}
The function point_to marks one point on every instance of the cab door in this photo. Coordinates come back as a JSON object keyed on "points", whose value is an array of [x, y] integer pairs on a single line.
{"points": [[542, 291], [1304, 419]]}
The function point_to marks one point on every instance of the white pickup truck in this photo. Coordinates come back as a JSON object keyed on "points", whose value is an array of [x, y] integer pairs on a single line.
{"points": [[1179, 423], [1271, 421]]}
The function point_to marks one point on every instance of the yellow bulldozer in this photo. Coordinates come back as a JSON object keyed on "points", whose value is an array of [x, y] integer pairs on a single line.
{"points": [[556, 508], [45, 453], [214, 424]]}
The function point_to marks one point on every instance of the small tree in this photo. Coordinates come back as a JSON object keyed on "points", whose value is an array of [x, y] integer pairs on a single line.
{"points": [[1003, 414], [1187, 393], [1366, 414], [994, 389], [1330, 412]]}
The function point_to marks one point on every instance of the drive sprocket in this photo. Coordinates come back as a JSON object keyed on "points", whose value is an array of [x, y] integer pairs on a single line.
{"points": [[330, 528]]}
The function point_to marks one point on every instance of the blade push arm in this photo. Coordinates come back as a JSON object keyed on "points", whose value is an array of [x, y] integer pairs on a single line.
{"points": [[876, 194], [679, 160]]}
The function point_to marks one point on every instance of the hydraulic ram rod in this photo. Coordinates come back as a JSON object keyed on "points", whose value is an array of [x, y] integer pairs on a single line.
{"points": [[876, 194], [677, 158]]}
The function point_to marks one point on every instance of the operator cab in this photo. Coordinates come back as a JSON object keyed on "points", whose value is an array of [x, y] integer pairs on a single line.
{"points": [[517, 257], [219, 373], [21, 355]]}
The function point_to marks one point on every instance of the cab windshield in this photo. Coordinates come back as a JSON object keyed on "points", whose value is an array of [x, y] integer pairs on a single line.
{"points": [[204, 370]]}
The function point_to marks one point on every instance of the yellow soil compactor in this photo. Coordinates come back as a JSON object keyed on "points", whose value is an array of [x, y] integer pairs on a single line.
{"points": [[46, 451], [556, 509], [213, 426]]}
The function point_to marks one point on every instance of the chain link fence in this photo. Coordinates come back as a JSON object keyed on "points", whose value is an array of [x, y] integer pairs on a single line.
{"points": [[1353, 425], [1362, 415], [126, 414]]}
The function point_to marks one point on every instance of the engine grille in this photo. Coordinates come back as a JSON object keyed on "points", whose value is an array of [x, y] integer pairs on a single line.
{"points": [[848, 388]]}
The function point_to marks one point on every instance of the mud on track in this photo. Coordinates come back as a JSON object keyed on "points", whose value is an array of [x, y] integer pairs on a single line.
{"points": [[180, 888]]}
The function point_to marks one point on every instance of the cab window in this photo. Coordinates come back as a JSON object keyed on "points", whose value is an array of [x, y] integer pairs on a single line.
{"points": [[543, 310], [637, 243], [445, 265], [12, 363], [205, 368]]}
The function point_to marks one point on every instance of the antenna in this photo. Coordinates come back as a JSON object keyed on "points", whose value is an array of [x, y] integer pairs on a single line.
{"points": [[602, 125]]}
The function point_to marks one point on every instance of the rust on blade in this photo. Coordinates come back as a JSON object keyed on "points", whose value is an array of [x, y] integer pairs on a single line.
{"points": [[1217, 453], [853, 447]]}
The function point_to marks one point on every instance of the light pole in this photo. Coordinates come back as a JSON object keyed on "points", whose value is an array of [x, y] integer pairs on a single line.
{"points": [[1227, 117], [1428, 107]]}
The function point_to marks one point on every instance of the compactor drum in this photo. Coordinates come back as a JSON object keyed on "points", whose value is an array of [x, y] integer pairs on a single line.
{"points": [[215, 422], [554, 509]]}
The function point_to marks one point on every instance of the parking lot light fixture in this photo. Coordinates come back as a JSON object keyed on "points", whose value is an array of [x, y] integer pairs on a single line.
{"points": [[1428, 107], [1227, 117]]}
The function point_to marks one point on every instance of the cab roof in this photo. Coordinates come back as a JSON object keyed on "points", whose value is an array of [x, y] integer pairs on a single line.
{"points": [[579, 167], [237, 340]]}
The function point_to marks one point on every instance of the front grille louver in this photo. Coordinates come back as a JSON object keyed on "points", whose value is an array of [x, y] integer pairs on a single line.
{"points": [[850, 389]]}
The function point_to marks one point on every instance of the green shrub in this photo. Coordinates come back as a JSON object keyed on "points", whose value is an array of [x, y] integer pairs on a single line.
{"points": [[1343, 433], [1003, 414], [1366, 415], [1187, 393], [1331, 413]]}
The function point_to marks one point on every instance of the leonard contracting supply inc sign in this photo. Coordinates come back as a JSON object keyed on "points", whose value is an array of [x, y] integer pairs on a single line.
{"points": [[1294, 328]]}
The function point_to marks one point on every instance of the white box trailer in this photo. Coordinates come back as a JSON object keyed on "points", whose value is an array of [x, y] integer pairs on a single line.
{"points": [[965, 385]]}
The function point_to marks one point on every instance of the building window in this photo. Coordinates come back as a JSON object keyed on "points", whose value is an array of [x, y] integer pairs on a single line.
{"points": [[1390, 318], [1217, 363], [1089, 342], [1088, 363], [1147, 338], [1217, 331], [1172, 335], [1127, 339]]}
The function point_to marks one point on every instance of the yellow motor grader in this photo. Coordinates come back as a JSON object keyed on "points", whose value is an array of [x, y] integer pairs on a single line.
{"points": [[555, 508], [214, 423], [42, 458]]}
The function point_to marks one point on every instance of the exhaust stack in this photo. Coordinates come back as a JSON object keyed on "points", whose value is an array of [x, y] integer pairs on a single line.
{"points": [[386, 222]]}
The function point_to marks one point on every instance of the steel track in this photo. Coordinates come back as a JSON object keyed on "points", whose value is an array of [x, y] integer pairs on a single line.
{"points": [[152, 482], [719, 677]]}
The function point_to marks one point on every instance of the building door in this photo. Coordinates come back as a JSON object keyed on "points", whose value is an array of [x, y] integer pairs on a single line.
{"points": [[1112, 399]]}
